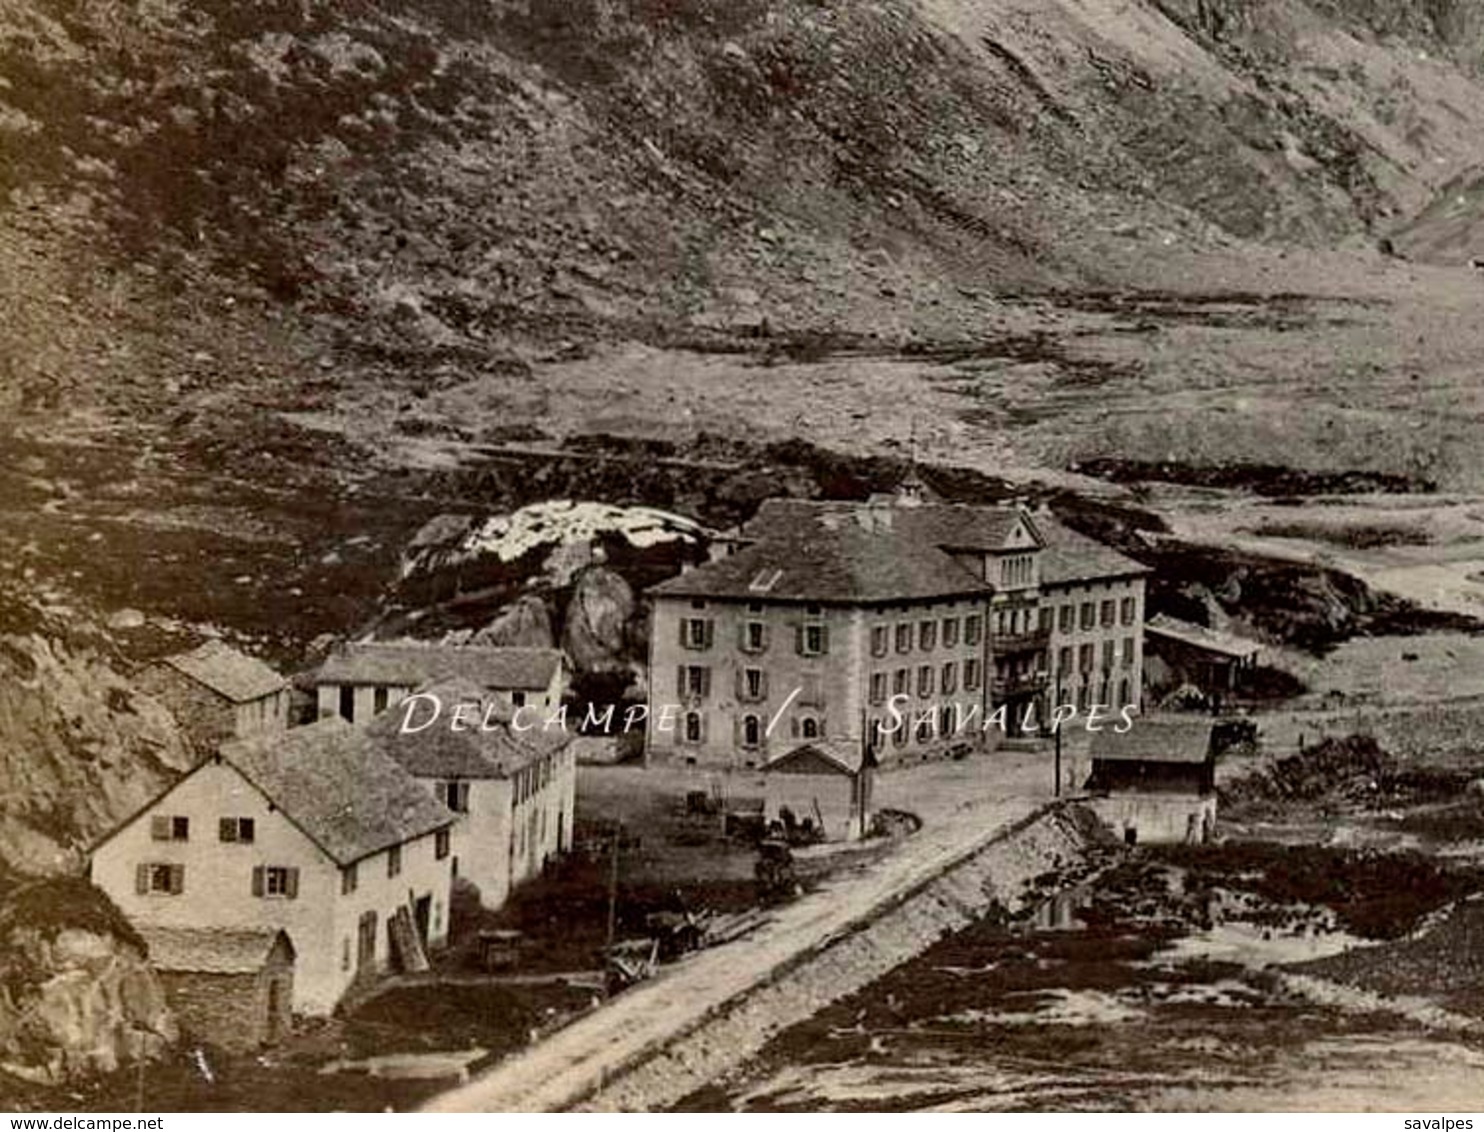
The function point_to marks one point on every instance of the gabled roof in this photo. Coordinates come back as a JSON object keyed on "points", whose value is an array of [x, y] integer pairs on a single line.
{"points": [[1155, 739], [214, 951], [845, 564], [220, 667], [842, 758], [438, 751], [347, 795], [1073, 557], [883, 551], [411, 665], [1198, 636]]}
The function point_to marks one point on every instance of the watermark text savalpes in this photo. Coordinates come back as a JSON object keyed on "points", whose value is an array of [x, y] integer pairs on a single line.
{"points": [[423, 710]]}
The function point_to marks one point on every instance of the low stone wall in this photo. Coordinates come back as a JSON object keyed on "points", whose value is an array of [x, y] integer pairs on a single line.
{"points": [[1009, 874]]}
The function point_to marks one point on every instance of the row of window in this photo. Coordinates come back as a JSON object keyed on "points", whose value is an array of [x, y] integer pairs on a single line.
{"points": [[1018, 571], [159, 878], [381, 699], [271, 880], [751, 728], [1091, 614], [1087, 656], [946, 678], [176, 827], [531, 780], [925, 634], [811, 638], [923, 731], [693, 685]]}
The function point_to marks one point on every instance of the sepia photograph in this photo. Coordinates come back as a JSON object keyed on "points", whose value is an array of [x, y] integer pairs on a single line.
{"points": [[741, 556]]}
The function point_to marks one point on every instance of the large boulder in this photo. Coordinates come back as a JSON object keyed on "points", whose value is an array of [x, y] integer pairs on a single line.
{"points": [[80, 996], [598, 635]]}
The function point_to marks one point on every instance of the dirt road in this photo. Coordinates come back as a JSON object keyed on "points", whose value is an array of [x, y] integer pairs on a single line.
{"points": [[994, 792]]}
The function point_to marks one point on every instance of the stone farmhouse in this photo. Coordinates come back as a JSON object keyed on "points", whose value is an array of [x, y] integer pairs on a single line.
{"points": [[232, 987], [217, 693], [895, 620]]}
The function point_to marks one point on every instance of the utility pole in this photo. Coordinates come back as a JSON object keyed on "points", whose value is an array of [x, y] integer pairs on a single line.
{"points": [[613, 884], [1056, 732]]}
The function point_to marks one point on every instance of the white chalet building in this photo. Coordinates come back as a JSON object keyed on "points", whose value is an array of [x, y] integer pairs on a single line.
{"points": [[313, 830], [514, 791]]}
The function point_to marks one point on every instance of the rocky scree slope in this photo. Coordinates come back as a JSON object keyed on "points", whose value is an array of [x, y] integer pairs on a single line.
{"points": [[200, 200]]}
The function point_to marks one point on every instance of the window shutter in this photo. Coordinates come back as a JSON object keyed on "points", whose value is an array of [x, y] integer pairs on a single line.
{"points": [[680, 681], [159, 827], [763, 687], [799, 639], [824, 639], [741, 683], [705, 722], [141, 879], [742, 637], [684, 636], [737, 733], [705, 681], [177, 879], [257, 880], [227, 829], [291, 888], [710, 631]]}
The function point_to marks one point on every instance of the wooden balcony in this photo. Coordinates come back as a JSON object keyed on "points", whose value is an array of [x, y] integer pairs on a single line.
{"points": [[1004, 644], [1031, 685]]}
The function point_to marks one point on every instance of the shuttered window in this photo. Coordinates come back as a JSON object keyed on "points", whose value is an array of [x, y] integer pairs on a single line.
{"points": [[240, 830], [278, 882], [164, 827], [812, 639], [159, 879], [696, 632]]}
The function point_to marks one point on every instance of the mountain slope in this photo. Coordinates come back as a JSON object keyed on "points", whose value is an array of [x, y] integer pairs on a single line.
{"points": [[367, 187]]}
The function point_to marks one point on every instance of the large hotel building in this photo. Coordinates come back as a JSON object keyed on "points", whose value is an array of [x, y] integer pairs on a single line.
{"points": [[897, 623]]}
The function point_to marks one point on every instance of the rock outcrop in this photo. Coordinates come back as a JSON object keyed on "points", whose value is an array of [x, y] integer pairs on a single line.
{"points": [[599, 633], [525, 623], [77, 995], [80, 747]]}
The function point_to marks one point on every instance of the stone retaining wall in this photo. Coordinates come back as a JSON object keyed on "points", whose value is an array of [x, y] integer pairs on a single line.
{"points": [[1009, 874]]}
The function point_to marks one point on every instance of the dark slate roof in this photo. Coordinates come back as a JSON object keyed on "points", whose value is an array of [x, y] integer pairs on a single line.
{"points": [[1073, 557], [1155, 739], [845, 564], [346, 794], [861, 552], [1212, 640], [411, 665], [961, 526], [847, 758], [213, 951], [438, 751], [220, 667]]}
